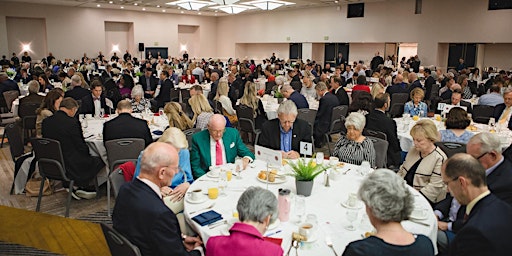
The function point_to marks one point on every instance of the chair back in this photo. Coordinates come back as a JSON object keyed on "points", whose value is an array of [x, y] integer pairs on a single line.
{"points": [[451, 148], [117, 180], [197, 78], [396, 110], [123, 150], [48, 155], [482, 113], [473, 86], [189, 132], [381, 151], [28, 109], [117, 243], [336, 121], [376, 134], [399, 98], [307, 115], [269, 86], [9, 97], [218, 107], [13, 132], [175, 94], [185, 95]]}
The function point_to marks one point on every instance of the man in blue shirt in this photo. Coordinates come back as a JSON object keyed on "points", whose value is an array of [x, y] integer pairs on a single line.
{"points": [[299, 99]]}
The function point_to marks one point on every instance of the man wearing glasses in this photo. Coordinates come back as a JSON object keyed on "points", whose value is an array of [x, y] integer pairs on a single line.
{"points": [[217, 146], [486, 148], [486, 218], [286, 131]]}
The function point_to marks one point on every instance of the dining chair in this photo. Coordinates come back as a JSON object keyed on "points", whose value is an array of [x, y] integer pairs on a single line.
{"points": [[117, 180], [27, 113], [396, 110], [451, 148], [188, 133], [269, 86], [246, 121], [381, 151], [120, 151], [48, 154], [185, 95], [8, 118], [13, 133], [376, 134], [117, 243], [175, 94], [482, 113], [337, 123], [296, 85]]}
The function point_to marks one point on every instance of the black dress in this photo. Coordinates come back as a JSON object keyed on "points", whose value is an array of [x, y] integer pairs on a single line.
{"points": [[373, 245]]}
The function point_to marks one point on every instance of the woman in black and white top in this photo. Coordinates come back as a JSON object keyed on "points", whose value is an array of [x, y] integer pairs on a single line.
{"points": [[354, 148]]}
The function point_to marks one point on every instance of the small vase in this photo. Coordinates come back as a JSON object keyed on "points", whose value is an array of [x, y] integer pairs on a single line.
{"points": [[304, 187]]}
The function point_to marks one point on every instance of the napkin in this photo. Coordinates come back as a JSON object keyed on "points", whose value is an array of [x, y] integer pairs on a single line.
{"points": [[277, 241], [158, 132], [208, 217]]}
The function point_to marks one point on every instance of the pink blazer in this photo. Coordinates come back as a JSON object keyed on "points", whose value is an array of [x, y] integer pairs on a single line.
{"points": [[245, 240]]}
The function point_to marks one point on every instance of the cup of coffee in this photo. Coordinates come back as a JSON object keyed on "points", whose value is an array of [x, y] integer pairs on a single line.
{"points": [[213, 192], [306, 230], [196, 194], [333, 161]]}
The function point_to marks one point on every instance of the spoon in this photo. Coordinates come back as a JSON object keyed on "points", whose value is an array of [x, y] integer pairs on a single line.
{"points": [[296, 246], [290, 248], [207, 208]]}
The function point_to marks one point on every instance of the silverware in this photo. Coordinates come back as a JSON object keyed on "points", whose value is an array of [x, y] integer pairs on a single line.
{"points": [[328, 241], [290, 248], [209, 207], [347, 171], [296, 246]]}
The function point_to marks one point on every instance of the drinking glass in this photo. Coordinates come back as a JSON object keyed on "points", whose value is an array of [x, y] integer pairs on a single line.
{"points": [[239, 165], [319, 158], [351, 217], [161, 112], [223, 182], [85, 123], [300, 207], [492, 124]]}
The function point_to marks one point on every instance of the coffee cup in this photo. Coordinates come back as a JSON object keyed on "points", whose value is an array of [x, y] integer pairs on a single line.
{"points": [[352, 200], [196, 194], [333, 161], [335, 174], [306, 230]]}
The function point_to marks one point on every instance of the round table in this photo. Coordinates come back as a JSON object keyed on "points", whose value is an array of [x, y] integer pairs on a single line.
{"points": [[324, 202]]}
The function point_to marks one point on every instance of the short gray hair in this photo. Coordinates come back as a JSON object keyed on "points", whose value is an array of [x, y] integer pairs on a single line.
{"points": [[357, 120], [321, 86], [387, 196], [287, 107], [256, 204], [137, 91], [507, 90], [33, 86], [280, 80], [76, 80], [488, 142], [286, 87]]}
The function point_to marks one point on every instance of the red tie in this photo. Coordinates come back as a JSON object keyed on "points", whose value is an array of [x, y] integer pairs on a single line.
{"points": [[218, 154]]}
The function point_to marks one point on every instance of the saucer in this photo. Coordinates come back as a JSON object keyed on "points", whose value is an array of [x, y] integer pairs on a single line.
{"points": [[211, 175], [199, 201], [274, 225], [357, 206], [312, 239]]}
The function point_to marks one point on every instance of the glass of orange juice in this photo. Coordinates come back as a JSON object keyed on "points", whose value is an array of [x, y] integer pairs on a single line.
{"points": [[229, 175], [437, 117], [213, 192], [415, 118]]}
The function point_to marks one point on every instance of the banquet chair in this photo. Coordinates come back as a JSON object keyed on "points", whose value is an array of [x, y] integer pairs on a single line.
{"points": [[50, 160], [188, 133], [396, 110], [8, 118], [13, 133], [120, 151], [337, 123], [197, 78], [296, 85], [269, 86], [185, 95], [117, 180], [376, 134], [451, 148], [117, 243], [27, 113], [381, 151], [246, 123], [307, 115], [175, 94], [482, 113]]}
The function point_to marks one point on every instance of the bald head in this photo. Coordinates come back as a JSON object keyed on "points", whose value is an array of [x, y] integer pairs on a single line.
{"points": [[412, 77], [159, 163], [399, 78], [216, 126]]}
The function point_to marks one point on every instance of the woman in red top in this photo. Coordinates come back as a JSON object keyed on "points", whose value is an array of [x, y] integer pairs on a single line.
{"points": [[361, 84], [188, 78]]}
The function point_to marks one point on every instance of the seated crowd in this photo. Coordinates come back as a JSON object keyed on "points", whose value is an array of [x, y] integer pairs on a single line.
{"points": [[457, 187]]}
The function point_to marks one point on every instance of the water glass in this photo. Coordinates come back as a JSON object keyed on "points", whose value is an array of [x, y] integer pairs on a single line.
{"points": [[102, 112], [239, 166], [351, 217], [300, 207], [223, 182], [319, 158]]}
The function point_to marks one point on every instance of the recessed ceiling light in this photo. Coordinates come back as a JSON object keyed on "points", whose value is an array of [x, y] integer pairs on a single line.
{"points": [[163, 10], [182, 12], [199, 13], [158, 6], [135, 4], [110, 2], [98, 5], [143, 9], [122, 7], [336, 1]]}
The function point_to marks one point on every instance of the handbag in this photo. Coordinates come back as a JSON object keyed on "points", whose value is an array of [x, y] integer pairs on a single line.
{"points": [[33, 185]]}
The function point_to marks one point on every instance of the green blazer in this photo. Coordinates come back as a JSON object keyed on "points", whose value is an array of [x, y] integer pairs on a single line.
{"points": [[200, 157]]}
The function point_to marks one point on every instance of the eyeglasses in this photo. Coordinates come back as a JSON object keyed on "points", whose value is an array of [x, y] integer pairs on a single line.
{"points": [[216, 131], [482, 155], [448, 182]]}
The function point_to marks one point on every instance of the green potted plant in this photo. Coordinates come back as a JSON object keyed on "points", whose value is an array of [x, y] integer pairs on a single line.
{"points": [[278, 95], [304, 173]]}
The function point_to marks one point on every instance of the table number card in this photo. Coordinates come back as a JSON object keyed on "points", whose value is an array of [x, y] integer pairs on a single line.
{"points": [[306, 148], [272, 157]]}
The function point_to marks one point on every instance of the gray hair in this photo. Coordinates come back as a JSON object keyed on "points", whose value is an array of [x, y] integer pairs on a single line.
{"points": [[137, 91], [33, 86], [507, 90], [287, 107], [76, 80], [387, 196], [488, 142], [256, 204], [357, 120], [321, 86], [280, 80], [286, 87]]}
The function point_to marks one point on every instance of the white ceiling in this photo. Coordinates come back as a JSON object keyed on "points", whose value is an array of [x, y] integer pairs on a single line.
{"points": [[160, 5]]}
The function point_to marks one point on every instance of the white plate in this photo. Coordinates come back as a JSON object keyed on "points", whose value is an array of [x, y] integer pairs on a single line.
{"points": [[312, 239], [357, 206], [274, 225], [199, 201], [419, 214], [278, 180], [211, 175]]}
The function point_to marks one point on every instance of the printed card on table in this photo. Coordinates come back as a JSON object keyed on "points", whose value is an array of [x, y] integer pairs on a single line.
{"points": [[272, 157]]}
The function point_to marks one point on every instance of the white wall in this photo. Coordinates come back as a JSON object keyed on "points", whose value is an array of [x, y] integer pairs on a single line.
{"points": [[258, 52], [498, 55], [364, 52]]}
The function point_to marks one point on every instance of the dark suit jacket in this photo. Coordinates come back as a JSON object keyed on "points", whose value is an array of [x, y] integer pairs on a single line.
{"points": [[105, 75], [141, 216], [126, 126], [323, 115], [153, 82], [77, 93], [299, 99], [342, 96], [486, 231], [462, 103], [271, 134], [87, 106], [498, 110], [213, 90], [165, 93], [415, 84], [31, 98], [397, 88], [378, 121], [80, 165], [429, 82]]}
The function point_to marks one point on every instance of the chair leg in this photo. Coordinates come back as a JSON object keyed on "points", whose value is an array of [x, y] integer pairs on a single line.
{"points": [[68, 203], [3, 138], [327, 142], [108, 195], [38, 206]]}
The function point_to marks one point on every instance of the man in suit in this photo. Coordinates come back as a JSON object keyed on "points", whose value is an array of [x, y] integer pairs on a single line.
{"points": [[456, 101], [80, 165], [502, 112], [140, 213], [7, 84], [323, 116], [398, 87], [487, 225], [378, 121], [94, 101], [286, 131], [218, 145], [76, 91], [340, 59], [32, 97], [163, 90], [486, 148], [215, 82], [415, 82], [149, 83], [117, 127], [429, 83], [293, 95], [338, 91], [107, 73]]}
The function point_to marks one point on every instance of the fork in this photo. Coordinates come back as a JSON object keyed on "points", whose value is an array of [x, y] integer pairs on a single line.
{"points": [[207, 208], [289, 249], [328, 241]]}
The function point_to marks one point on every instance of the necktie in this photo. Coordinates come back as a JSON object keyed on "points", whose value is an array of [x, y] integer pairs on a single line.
{"points": [[465, 218], [218, 154], [504, 115]]}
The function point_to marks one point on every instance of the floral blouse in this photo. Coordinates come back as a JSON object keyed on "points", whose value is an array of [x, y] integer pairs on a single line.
{"points": [[141, 106]]}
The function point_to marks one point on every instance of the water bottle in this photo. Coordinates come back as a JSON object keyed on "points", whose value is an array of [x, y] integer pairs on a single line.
{"points": [[283, 201]]}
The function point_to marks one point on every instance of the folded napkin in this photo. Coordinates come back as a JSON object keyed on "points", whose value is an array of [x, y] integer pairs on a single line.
{"points": [[208, 217], [277, 241], [158, 132]]}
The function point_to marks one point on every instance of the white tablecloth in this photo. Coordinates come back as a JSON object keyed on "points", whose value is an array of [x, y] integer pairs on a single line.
{"points": [[324, 202], [403, 132]]}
